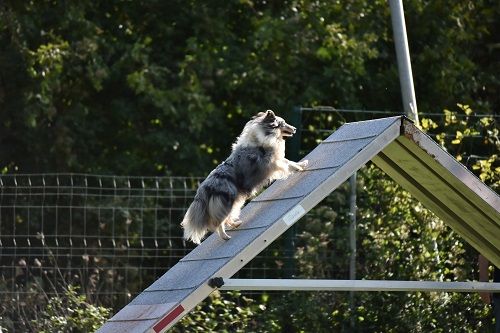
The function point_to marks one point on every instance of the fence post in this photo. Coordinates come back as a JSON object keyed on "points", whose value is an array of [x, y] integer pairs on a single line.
{"points": [[294, 143], [293, 153]]}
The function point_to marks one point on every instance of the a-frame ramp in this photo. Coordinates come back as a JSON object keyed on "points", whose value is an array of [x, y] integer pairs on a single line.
{"points": [[394, 144]]}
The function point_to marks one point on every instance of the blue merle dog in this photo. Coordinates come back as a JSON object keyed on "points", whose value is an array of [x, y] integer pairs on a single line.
{"points": [[257, 158]]}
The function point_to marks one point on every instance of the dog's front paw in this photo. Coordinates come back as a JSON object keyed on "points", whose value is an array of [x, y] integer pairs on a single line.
{"points": [[303, 164], [235, 223]]}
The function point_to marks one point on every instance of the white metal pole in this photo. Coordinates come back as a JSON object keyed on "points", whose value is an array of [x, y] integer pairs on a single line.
{"points": [[352, 241], [403, 58], [357, 285], [352, 227]]}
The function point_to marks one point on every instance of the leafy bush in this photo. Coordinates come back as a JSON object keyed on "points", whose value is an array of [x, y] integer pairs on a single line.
{"points": [[231, 312], [70, 312]]}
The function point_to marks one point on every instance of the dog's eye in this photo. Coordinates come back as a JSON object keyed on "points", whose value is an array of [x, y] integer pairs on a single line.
{"points": [[275, 124]]}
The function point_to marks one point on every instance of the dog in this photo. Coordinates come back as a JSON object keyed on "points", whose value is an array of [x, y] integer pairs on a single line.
{"points": [[257, 158]]}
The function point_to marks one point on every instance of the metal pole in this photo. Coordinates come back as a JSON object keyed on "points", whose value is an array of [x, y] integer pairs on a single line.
{"points": [[357, 285], [352, 242], [352, 227], [293, 153], [403, 57]]}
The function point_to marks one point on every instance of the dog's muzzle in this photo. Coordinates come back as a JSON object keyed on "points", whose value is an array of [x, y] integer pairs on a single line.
{"points": [[288, 131]]}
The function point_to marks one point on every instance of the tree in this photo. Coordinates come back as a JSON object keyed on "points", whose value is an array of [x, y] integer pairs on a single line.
{"points": [[120, 87]]}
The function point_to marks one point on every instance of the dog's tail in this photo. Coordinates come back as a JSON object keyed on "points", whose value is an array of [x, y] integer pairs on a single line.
{"points": [[195, 221]]}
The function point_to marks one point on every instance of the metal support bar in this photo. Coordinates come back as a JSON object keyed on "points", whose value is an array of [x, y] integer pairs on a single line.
{"points": [[352, 227], [403, 58], [352, 242], [293, 153], [357, 285]]}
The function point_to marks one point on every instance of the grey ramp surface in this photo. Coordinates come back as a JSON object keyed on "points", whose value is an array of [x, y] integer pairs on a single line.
{"points": [[394, 144]]}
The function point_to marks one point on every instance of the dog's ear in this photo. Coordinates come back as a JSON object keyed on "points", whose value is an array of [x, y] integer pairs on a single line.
{"points": [[258, 115], [270, 116]]}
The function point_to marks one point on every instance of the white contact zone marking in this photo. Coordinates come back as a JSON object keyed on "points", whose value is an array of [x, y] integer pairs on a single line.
{"points": [[292, 216]]}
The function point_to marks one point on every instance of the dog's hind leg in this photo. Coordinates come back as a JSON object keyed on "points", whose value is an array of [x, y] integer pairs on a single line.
{"points": [[234, 221], [221, 230], [219, 211]]}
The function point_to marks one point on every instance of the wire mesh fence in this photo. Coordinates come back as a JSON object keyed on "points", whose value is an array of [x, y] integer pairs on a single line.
{"points": [[110, 235]]}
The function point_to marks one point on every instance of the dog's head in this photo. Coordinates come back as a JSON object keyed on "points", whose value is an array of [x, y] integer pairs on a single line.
{"points": [[267, 130], [273, 126]]}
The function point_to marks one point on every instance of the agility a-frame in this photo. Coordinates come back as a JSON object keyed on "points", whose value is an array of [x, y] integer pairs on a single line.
{"points": [[394, 144]]}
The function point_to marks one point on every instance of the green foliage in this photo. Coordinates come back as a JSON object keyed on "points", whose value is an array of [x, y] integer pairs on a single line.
{"points": [[474, 139], [231, 312], [70, 312], [33, 309], [139, 87], [413, 245]]}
